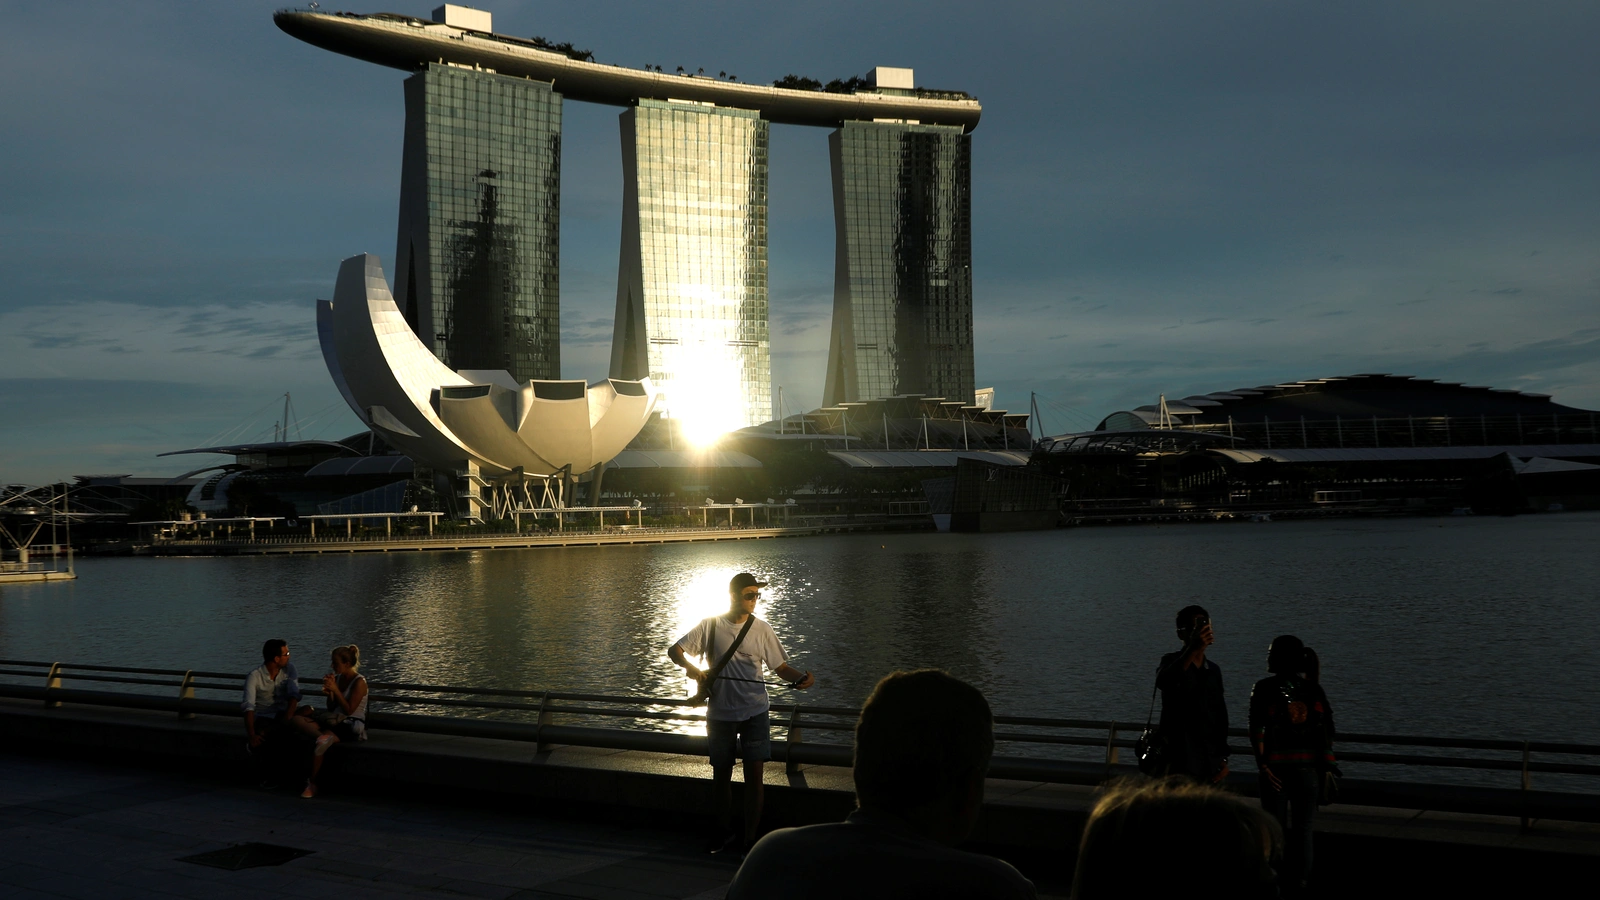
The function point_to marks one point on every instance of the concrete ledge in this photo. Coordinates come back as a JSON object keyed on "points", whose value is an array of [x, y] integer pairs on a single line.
{"points": [[1020, 817]]}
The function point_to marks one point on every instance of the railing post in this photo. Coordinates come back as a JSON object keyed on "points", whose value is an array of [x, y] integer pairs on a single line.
{"points": [[790, 767], [53, 680], [186, 692], [544, 719], [1111, 746], [1527, 783]]}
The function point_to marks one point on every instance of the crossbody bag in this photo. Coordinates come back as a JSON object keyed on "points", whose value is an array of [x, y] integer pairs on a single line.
{"points": [[711, 674]]}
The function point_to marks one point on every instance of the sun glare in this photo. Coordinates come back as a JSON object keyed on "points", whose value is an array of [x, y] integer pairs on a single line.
{"points": [[704, 395]]}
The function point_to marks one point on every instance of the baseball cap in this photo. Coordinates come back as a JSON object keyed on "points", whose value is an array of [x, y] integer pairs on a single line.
{"points": [[744, 580]]}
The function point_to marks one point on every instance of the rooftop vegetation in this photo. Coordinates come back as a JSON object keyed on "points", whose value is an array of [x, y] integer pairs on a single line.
{"points": [[562, 47]]}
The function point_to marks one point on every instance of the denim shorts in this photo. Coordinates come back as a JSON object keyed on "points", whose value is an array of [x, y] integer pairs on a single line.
{"points": [[751, 735]]}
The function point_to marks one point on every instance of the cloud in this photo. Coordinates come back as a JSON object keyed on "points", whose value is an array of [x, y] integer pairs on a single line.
{"points": [[1361, 186]]}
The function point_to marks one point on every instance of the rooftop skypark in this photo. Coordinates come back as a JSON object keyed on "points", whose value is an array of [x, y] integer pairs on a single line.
{"points": [[409, 43]]}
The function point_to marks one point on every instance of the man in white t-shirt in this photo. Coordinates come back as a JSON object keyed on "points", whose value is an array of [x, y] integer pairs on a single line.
{"points": [[737, 705]]}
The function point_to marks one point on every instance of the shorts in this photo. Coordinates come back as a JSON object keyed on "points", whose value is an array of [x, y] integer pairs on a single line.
{"points": [[752, 735]]}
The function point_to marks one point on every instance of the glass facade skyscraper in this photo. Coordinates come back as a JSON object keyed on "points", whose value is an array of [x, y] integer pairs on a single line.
{"points": [[902, 296], [476, 262], [692, 279]]}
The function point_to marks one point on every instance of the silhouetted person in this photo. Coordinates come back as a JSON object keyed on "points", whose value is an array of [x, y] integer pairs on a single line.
{"points": [[1174, 838], [923, 744], [271, 696], [736, 700], [345, 719], [1291, 731], [1194, 715]]}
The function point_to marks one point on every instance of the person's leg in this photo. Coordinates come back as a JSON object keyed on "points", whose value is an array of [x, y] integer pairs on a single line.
{"points": [[754, 784], [755, 734], [1304, 801], [276, 746], [261, 762], [720, 736], [1274, 803], [304, 723], [324, 741]]}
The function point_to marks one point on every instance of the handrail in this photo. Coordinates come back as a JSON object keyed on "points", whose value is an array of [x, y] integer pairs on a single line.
{"points": [[650, 709]]}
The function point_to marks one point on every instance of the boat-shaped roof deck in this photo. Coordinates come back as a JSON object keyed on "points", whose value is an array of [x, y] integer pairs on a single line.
{"points": [[404, 42]]}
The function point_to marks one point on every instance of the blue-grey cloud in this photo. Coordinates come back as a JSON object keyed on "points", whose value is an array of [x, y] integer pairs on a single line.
{"points": [[1168, 196]]}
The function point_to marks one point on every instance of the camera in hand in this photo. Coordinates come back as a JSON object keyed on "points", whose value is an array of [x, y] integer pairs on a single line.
{"points": [[1197, 625]]}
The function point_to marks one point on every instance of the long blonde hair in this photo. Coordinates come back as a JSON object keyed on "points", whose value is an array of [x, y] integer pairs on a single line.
{"points": [[349, 654]]}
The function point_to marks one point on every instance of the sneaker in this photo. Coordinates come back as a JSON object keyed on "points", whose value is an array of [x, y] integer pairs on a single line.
{"points": [[715, 843], [310, 791], [732, 848]]}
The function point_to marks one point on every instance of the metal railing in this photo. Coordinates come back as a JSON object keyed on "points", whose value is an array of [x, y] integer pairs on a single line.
{"points": [[508, 535], [1028, 747]]}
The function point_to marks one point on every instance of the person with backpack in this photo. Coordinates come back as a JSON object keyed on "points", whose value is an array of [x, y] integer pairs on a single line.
{"points": [[735, 645], [1291, 731]]}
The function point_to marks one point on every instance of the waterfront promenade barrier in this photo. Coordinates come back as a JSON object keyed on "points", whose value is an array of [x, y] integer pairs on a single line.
{"points": [[274, 544], [1029, 748]]}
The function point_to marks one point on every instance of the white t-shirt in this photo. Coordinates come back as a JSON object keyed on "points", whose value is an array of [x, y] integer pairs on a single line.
{"points": [[735, 700]]}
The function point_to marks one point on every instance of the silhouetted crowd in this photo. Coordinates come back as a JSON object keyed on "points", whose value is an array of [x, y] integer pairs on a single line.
{"points": [[922, 749]]}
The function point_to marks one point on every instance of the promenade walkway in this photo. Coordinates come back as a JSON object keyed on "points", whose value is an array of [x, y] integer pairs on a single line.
{"points": [[89, 830], [107, 803]]}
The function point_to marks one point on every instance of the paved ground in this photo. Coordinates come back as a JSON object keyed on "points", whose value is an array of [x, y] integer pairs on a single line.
{"points": [[76, 829]]}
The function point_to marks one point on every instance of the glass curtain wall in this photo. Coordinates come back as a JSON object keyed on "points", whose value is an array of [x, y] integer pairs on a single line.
{"points": [[477, 269], [902, 300], [692, 280]]}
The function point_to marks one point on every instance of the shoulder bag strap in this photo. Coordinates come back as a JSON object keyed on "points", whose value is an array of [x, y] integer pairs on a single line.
{"points": [[716, 670]]}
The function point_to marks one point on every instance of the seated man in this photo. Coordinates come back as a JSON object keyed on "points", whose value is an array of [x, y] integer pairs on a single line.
{"points": [[271, 695], [1175, 838], [922, 749]]}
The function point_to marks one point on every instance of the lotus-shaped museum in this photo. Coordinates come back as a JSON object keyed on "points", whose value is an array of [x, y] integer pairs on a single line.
{"points": [[471, 422]]}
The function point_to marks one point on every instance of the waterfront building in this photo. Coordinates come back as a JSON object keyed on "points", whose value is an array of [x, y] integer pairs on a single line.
{"points": [[477, 268], [902, 301], [479, 428], [1375, 443], [692, 279]]}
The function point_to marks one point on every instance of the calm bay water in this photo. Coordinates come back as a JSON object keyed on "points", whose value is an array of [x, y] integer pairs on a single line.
{"points": [[1466, 627]]}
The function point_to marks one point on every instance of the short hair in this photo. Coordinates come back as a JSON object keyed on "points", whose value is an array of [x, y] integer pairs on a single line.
{"points": [[920, 735], [1187, 614], [1204, 842], [1286, 655], [272, 649]]}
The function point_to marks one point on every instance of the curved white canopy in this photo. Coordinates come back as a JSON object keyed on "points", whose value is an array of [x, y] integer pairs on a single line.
{"points": [[445, 419]]}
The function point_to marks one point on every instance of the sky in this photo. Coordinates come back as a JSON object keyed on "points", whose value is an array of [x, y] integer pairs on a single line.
{"points": [[1168, 197]]}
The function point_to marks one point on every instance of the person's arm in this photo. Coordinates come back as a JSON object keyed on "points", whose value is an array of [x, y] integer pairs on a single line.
{"points": [[347, 702], [777, 660], [1327, 711], [291, 681], [1257, 723], [799, 679], [689, 643], [1221, 736], [1169, 674], [1259, 713]]}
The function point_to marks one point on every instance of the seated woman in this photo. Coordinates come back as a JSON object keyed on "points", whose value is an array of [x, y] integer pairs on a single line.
{"points": [[345, 717]]}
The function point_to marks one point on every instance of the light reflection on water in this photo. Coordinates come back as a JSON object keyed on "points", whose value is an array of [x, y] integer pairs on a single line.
{"points": [[1478, 627]]}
